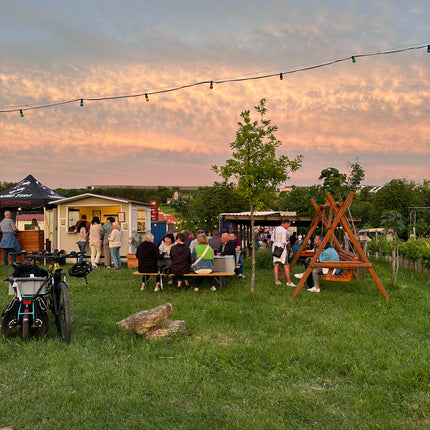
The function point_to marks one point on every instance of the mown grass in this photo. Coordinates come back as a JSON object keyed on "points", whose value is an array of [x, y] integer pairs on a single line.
{"points": [[341, 359]]}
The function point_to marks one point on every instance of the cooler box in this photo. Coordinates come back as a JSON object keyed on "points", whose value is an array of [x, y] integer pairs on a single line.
{"points": [[224, 263], [27, 285]]}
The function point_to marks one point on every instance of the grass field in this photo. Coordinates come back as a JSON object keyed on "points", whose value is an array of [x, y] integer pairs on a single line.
{"points": [[341, 359]]}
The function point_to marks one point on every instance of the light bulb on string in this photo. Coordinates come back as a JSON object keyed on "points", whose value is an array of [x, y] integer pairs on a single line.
{"points": [[353, 59], [82, 102], [281, 76], [21, 113], [428, 48], [211, 85], [146, 97]]}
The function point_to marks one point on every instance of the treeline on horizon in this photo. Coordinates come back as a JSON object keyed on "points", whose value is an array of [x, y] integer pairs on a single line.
{"points": [[200, 208]]}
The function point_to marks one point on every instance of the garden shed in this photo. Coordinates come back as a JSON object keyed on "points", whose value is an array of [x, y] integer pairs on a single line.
{"points": [[134, 218]]}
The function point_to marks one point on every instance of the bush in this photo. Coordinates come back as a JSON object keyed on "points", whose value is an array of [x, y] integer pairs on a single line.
{"points": [[416, 250], [383, 246], [263, 260]]}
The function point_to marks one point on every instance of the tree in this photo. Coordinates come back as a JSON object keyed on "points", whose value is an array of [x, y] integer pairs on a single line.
{"points": [[397, 195], [209, 202], [333, 182], [338, 184], [255, 168], [5, 185], [356, 175], [299, 200]]}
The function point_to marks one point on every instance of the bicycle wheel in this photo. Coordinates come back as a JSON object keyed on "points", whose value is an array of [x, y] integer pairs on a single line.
{"points": [[25, 327], [62, 312]]}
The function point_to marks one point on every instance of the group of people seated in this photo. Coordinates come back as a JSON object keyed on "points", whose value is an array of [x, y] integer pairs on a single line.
{"points": [[187, 254]]}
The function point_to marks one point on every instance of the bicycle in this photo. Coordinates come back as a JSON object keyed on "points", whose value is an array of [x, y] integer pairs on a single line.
{"points": [[37, 292]]}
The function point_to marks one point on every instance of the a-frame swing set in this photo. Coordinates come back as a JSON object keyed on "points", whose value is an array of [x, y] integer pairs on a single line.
{"points": [[348, 261]]}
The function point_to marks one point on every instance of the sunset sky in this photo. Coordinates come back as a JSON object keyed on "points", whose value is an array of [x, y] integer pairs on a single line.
{"points": [[376, 110]]}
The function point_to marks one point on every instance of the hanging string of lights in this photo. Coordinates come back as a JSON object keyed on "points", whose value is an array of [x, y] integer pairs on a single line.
{"points": [[21, 109]]}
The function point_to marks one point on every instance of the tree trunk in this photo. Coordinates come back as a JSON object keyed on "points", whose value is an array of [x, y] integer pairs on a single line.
{"points": [[252, 248], [394, 261]]}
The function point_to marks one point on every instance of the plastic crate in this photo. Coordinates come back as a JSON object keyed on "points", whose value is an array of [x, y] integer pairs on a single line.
{"points": [[27, 285]]}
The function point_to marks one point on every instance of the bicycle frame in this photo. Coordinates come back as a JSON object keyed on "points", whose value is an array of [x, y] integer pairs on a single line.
{"points": [[52, 293]]}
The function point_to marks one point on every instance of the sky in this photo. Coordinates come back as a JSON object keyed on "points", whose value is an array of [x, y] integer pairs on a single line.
{"points": [[375, 110]]}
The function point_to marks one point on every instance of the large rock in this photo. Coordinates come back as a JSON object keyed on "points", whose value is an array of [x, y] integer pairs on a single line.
{"points": [[153, 323], [169, 327]]}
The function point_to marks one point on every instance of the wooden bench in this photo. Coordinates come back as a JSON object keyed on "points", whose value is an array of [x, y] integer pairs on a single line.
{"points": [[348, 262], [220, 277]]}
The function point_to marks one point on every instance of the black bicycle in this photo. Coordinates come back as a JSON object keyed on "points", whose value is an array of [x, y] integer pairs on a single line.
{"points": [[36, 290]]}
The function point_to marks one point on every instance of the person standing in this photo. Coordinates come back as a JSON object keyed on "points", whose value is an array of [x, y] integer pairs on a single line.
{"points": [[34, 225], [115, 245], [280, 239], [81, 238], [9, 242], [106, 229], [95, 241]]}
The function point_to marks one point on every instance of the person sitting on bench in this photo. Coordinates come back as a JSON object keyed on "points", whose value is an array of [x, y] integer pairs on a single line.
{"points": [[180, 257], [148, 255], [329, 254]]}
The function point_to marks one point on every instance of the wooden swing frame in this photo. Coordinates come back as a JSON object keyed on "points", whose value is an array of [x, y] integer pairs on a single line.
{"points": [[324, 214]]}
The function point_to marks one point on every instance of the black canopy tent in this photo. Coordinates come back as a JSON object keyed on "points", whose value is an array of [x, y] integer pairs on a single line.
{"points": [[28, 193]]}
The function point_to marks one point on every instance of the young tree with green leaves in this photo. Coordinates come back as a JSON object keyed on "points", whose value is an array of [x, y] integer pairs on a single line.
{"points": [[255, 167]]}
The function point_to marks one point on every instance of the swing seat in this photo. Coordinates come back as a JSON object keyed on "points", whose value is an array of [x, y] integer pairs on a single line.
{"points": [[345, 274]]}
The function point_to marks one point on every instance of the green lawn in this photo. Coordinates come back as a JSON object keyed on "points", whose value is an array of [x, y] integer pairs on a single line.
{"points": [[341, 359]]}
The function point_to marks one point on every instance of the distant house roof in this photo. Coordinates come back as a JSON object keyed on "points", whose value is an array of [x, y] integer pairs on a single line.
{"points": [[30, 217], [170, 219], [89, 195], [262, 213]]}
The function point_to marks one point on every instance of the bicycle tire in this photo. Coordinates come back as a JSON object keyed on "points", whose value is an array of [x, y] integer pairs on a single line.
{"points": [[62, 312], [25, 327]]}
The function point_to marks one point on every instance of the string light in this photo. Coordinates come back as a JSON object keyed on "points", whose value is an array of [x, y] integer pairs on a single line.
{"points": [[211, 83]]}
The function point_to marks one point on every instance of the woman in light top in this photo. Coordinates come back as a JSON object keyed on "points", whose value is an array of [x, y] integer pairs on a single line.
{"points": [[203, 258], [95, 241], [81, 238], [115, 244]]}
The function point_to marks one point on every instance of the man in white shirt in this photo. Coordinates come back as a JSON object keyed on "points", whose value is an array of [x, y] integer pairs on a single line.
{"points": [[280, 239]]}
